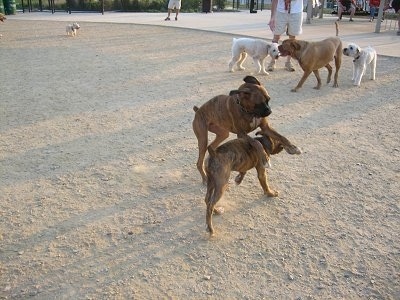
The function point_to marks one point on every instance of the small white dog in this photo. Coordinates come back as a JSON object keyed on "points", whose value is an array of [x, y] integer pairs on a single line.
{"points": [[362, 58], [72, 28], [258, 49]]}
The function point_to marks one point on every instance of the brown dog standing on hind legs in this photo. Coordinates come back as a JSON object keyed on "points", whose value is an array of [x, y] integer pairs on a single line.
{"points": [[240, 155], [313, 56], [241, 112]]}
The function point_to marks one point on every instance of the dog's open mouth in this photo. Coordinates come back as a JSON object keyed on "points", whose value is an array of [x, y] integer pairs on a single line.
{"points": [[284, 53]]}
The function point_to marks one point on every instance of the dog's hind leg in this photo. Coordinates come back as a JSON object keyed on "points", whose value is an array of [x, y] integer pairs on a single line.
{"points": [[217, 193], [242, 58], [201, 132]]}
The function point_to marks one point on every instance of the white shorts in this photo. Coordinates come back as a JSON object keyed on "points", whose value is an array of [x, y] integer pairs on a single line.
{"points": [[174, 4], [292, 23]]}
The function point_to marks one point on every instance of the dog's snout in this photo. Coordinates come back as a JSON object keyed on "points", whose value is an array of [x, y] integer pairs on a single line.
{"points": [[262, 110]]}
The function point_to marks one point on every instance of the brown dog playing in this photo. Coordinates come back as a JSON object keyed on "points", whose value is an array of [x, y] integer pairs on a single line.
{"points": [[241, 112], [2, 17], [239, 155], [313, 56]]}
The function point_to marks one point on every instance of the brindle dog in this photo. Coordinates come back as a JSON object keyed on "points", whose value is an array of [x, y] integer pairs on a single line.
{"points": [[240, 112], [239, 155]]}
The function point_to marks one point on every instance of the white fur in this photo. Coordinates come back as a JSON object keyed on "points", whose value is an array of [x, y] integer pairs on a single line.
{"points": [[72, 28], [258, 49], [362, 58]]}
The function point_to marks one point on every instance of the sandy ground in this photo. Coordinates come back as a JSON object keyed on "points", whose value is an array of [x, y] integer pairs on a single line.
{"points": [[101, 199]]}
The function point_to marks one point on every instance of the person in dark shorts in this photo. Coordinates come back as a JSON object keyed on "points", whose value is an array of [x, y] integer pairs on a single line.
{"points": [[346, 5]]}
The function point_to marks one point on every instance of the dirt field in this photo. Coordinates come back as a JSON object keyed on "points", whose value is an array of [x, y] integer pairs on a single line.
{"points": [[100, 197]]}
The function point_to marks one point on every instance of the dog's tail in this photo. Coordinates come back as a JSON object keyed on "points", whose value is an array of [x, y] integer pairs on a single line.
{"points": [[195, 108], [337, 28]]}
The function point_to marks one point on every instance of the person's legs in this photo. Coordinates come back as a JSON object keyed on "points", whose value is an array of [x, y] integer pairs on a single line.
{"points": [[340, 11], [398, 22], [371, 13], [352, 12]]}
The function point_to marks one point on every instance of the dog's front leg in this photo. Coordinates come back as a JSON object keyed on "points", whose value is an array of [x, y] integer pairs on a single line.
{"points": [[360, 73], [316, 73], [262, 178], [258, 65], [373, 68], [302, 80], [268, 131], [239, 177], [354, 73]]}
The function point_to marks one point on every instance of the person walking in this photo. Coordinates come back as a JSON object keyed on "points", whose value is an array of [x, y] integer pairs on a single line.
{"points": [[173, 4], [373, 8], [346, 5], [286, 17]]}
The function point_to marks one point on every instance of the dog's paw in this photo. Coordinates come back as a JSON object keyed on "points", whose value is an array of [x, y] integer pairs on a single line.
{"points": [[219, 210], [293, 150], [272, 193]]}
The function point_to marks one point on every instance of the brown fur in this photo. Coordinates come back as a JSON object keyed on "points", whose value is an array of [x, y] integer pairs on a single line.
{"points": [[313, 56], [238, 155], [2, 17], [235, 113]]}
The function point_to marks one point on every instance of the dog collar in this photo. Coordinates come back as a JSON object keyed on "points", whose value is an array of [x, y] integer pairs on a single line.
{"points": [[241, 107], [355, 58]]}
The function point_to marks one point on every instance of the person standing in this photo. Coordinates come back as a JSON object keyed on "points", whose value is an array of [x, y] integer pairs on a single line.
{"points": [[173, 4], [346, 5], [395, 4], [286, 17], [373, 8]]}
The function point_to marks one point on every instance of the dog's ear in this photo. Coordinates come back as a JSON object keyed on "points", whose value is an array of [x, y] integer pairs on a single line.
{"points": [[251, 79], [244, 90], [295, 45], [233, 92]]}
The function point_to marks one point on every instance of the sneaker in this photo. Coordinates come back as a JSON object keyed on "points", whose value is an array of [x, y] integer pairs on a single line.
{"points": [[351, 20], [289, 66], [370, 19], [167, 19]]}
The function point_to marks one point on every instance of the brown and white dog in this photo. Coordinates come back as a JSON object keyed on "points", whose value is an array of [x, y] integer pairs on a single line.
{"points": [[240, 112], [239, 155], [313, 56]]}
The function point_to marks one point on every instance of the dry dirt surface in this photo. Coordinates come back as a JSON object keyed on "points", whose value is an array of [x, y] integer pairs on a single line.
{"points": [[101, 198]]}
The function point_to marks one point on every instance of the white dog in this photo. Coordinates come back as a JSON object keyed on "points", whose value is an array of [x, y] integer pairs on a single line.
{"points": [[72, 28], [362, 58], [256, 48]]}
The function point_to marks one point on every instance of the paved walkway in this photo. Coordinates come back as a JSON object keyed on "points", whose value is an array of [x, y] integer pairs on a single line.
{"points": [[361, 32]]}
